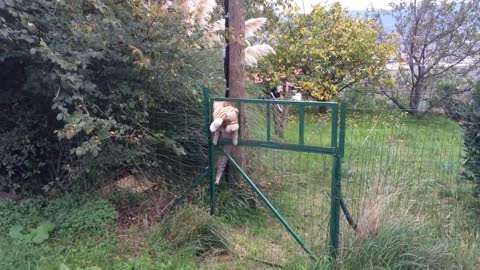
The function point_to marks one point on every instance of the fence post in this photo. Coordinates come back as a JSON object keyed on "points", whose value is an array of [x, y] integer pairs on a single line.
{"points": [[335, 189], [211, 153]]}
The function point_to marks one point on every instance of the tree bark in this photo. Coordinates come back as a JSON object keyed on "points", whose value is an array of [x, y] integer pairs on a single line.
{"points": [[237, 68]]}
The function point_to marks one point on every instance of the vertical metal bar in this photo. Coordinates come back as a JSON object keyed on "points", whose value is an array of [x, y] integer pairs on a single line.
{"points": [[334, 125], [343, 120], [268, 122], [211, 154], [335, 209], [240, 124], [335, 190], [269, 204], [301, 125]]}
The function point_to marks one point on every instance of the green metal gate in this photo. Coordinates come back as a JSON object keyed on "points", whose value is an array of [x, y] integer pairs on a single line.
{"points": [[335, 149]]}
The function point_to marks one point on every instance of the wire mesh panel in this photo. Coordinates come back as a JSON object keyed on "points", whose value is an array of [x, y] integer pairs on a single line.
{"points": [[298, 186], [406, 168]]}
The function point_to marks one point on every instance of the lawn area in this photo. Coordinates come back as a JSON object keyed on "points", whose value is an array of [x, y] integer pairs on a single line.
{"points": [[406, 169]]}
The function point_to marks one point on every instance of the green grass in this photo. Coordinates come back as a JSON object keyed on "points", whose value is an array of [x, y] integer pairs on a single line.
{"points": [[415, 162], [84, 236], [431, 220], [403, 244]]}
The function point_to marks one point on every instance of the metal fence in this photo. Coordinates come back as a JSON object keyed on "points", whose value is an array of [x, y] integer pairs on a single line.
{"points": [[409, 168]]}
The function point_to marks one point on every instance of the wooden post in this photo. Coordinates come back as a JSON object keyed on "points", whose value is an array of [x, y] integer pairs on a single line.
{"points": [[236, 63]]}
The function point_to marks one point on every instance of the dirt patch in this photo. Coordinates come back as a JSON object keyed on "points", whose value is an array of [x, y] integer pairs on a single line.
{"points": [[8, 196]]}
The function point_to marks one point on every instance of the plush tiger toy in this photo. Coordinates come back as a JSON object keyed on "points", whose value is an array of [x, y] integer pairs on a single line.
{"points": [[225, 123], [225, 120]]}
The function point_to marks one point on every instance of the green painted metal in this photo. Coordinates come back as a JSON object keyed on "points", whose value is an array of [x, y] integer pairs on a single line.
{"points": [[336, 150], [208, 103], [268, 204], [343, 126], [301, 125], [336, 199], [280, 102], [283, 146], [334, 126], [335, 208], [268, 122]]}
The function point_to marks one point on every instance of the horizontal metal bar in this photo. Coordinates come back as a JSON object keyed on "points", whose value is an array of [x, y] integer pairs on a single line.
{"points": [[281, 102], [283, 146], [269, 205]]}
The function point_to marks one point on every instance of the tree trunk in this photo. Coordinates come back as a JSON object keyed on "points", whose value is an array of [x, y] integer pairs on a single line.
{"points": [[280, 119], [237, 68], [415, 99]]}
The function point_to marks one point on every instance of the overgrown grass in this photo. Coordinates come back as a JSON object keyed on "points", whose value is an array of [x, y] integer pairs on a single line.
{"points": [[403, 246], [417, 160], [84, 236], [192, 228], [430, 220]]}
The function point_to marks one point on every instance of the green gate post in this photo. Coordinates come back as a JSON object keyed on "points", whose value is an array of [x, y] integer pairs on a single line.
{"points": [[211, 151], [336, 178], [335, 194]]}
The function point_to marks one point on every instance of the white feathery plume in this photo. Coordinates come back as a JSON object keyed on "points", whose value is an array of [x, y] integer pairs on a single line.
{"points": [[256, 52], [218, 25], [186, 5], [168, 4], [252, 25], [213, 37], [250, 60], [203, 10]]}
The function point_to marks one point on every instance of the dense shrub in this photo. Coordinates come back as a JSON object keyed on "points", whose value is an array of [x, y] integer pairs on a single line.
{"points": [[80, 82], [471, 141]]}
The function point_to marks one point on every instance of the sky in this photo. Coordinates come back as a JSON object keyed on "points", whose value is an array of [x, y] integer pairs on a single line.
{"points": [[350, 4]]}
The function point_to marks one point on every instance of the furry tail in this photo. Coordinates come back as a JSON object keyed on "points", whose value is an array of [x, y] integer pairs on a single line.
{"points": [[221, 165]]}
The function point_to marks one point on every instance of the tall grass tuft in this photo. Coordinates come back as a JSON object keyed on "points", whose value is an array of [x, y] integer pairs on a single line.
{"points": [[192, 228], [403, 244]]}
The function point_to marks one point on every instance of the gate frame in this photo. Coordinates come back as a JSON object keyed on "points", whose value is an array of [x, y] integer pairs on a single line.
{"points": [[336, 150]]}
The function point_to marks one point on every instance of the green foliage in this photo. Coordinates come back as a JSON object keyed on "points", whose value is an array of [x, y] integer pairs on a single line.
{"points": [[363, 98], [327, 51], [403, 246], [70, 216], [471, 141], [37, 235], [82, 81]]}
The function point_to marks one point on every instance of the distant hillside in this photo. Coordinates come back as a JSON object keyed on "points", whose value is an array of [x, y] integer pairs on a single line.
{"points": [[387, 21]]}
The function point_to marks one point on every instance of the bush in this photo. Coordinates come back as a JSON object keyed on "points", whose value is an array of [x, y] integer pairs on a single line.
{"points": [[81, 84], [471, 141], [71, 215]]}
